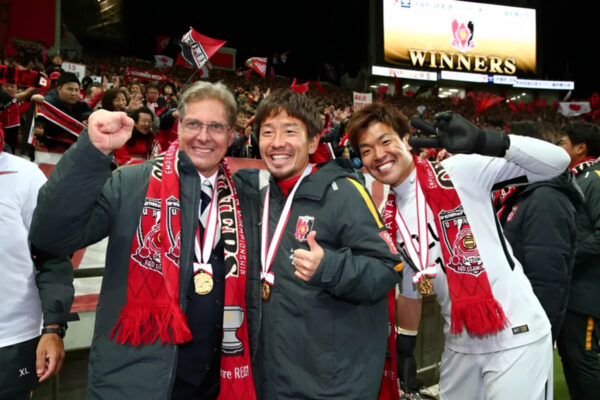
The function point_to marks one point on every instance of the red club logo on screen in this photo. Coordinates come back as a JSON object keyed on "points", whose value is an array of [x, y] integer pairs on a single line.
{"points": [[462, 35], [303, 227]]}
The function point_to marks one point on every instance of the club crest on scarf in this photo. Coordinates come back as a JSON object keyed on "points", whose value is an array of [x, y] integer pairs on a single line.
{"points": [[148, 254], [464, 257], [303, 227]]}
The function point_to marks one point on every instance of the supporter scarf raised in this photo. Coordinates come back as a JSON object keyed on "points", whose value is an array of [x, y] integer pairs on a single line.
{"points": [[473, 303], [57, 117], [152, 309]]}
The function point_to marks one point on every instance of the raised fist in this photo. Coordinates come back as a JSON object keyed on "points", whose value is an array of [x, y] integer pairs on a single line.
{"points": [[109, 130]]}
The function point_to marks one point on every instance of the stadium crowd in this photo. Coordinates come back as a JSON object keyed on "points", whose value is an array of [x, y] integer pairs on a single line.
{"points": [[552, 227]]}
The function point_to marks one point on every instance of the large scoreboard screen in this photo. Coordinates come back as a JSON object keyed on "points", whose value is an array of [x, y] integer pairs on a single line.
{"points": [[459, 36]]}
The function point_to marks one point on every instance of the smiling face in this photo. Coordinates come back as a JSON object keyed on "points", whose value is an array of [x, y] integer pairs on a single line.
{"points": [[205, 149], [284, 145], [144, 123], [384, 154], [119, 102]]}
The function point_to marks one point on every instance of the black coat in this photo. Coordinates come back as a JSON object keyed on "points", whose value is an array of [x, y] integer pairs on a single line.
{"points": [[585, 288], [539, 221]]}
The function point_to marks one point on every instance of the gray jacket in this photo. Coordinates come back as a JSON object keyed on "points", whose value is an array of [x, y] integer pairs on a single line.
{"points": [[79, 205]]}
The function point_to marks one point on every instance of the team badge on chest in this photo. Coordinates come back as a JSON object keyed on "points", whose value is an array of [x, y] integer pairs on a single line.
{"points": [[303, 227]]}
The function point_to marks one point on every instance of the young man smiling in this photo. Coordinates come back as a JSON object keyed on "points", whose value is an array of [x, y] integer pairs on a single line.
{"points": [[498, 343], [327, 267]]}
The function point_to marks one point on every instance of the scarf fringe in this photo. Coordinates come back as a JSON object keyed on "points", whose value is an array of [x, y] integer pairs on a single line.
{"points": [[480, 316], [142, 324]]}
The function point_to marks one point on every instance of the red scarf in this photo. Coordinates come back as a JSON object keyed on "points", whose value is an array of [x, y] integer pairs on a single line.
{"points": [[152, 308], [473, 304], [389, 384], [583, 164]]}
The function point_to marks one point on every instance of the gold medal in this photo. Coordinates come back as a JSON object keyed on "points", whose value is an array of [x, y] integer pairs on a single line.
{"points": [[425, 286], [203, 283], [266, 291]]}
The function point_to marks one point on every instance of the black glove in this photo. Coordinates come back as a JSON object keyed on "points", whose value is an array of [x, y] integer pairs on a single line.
{"points": [[407, 365], [457, 135]]}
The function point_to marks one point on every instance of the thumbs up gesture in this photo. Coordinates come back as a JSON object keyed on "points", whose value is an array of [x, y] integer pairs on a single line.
{"points": [[307, 261]]}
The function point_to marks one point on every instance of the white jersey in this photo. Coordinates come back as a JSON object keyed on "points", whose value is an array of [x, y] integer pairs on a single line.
{"points": [[473, 177], [21, 311]]}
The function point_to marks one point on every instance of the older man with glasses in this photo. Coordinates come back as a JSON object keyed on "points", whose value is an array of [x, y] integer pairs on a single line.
{"points": [[171, 316]]}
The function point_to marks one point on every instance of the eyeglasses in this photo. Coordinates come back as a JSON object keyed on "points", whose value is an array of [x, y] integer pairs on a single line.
{"points": [[194, 127]]}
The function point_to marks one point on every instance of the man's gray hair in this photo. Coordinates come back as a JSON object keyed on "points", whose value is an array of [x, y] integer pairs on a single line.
{"points": [[203, 90]]}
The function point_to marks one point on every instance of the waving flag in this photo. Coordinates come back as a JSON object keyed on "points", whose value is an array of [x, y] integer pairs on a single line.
{"points": [[300, 88], [197, 49], [259, 64], [574, 108], [163, 61]]}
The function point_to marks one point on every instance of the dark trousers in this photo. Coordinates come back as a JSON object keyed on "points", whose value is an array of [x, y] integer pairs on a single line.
{"points": [[17, 370], [208, 389], [578, 348]]}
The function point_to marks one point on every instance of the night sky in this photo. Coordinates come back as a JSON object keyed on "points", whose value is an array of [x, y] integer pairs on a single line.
{"points": [[337, 32]]}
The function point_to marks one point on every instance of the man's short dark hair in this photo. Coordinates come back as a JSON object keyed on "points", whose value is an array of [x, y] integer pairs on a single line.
{"points": [[152, 86], [584, 132], [135, 114], [296, 105], [376, 112], [67, 77]]}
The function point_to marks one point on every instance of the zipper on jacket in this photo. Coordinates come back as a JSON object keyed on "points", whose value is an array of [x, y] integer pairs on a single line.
{"points": [[511, 262]]}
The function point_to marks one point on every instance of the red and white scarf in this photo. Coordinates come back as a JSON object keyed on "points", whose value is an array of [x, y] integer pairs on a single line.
{"points": [[152, 309], [583, 164], [473, 303]]}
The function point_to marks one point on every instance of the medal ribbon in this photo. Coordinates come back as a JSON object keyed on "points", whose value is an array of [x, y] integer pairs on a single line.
{"points": [[203, 253], [266, 257], [421, 257]]}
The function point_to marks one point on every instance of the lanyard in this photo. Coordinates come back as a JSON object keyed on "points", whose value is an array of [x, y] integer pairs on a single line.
{"points": [[421, 257], [210, 232], [267, 255]]}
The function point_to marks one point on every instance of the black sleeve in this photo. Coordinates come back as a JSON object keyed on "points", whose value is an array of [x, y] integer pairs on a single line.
{"points": [[54, 280]]}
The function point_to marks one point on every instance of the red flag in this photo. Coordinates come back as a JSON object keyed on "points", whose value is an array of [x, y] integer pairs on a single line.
{"points": [[259, 64], [512, 106], [381, 90], [197, 49], [247, 73], [397, 86], [320, 87], [161, 43], [300, 88], [484, 101], [594, 101]]}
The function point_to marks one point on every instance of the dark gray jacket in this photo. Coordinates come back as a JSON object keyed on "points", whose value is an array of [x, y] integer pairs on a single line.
{"points": [[79, 205], [326, 338], [539, 221]]}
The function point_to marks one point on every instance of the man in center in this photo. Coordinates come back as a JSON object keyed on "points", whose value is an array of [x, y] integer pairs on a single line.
{"points": [[327, 267]]}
